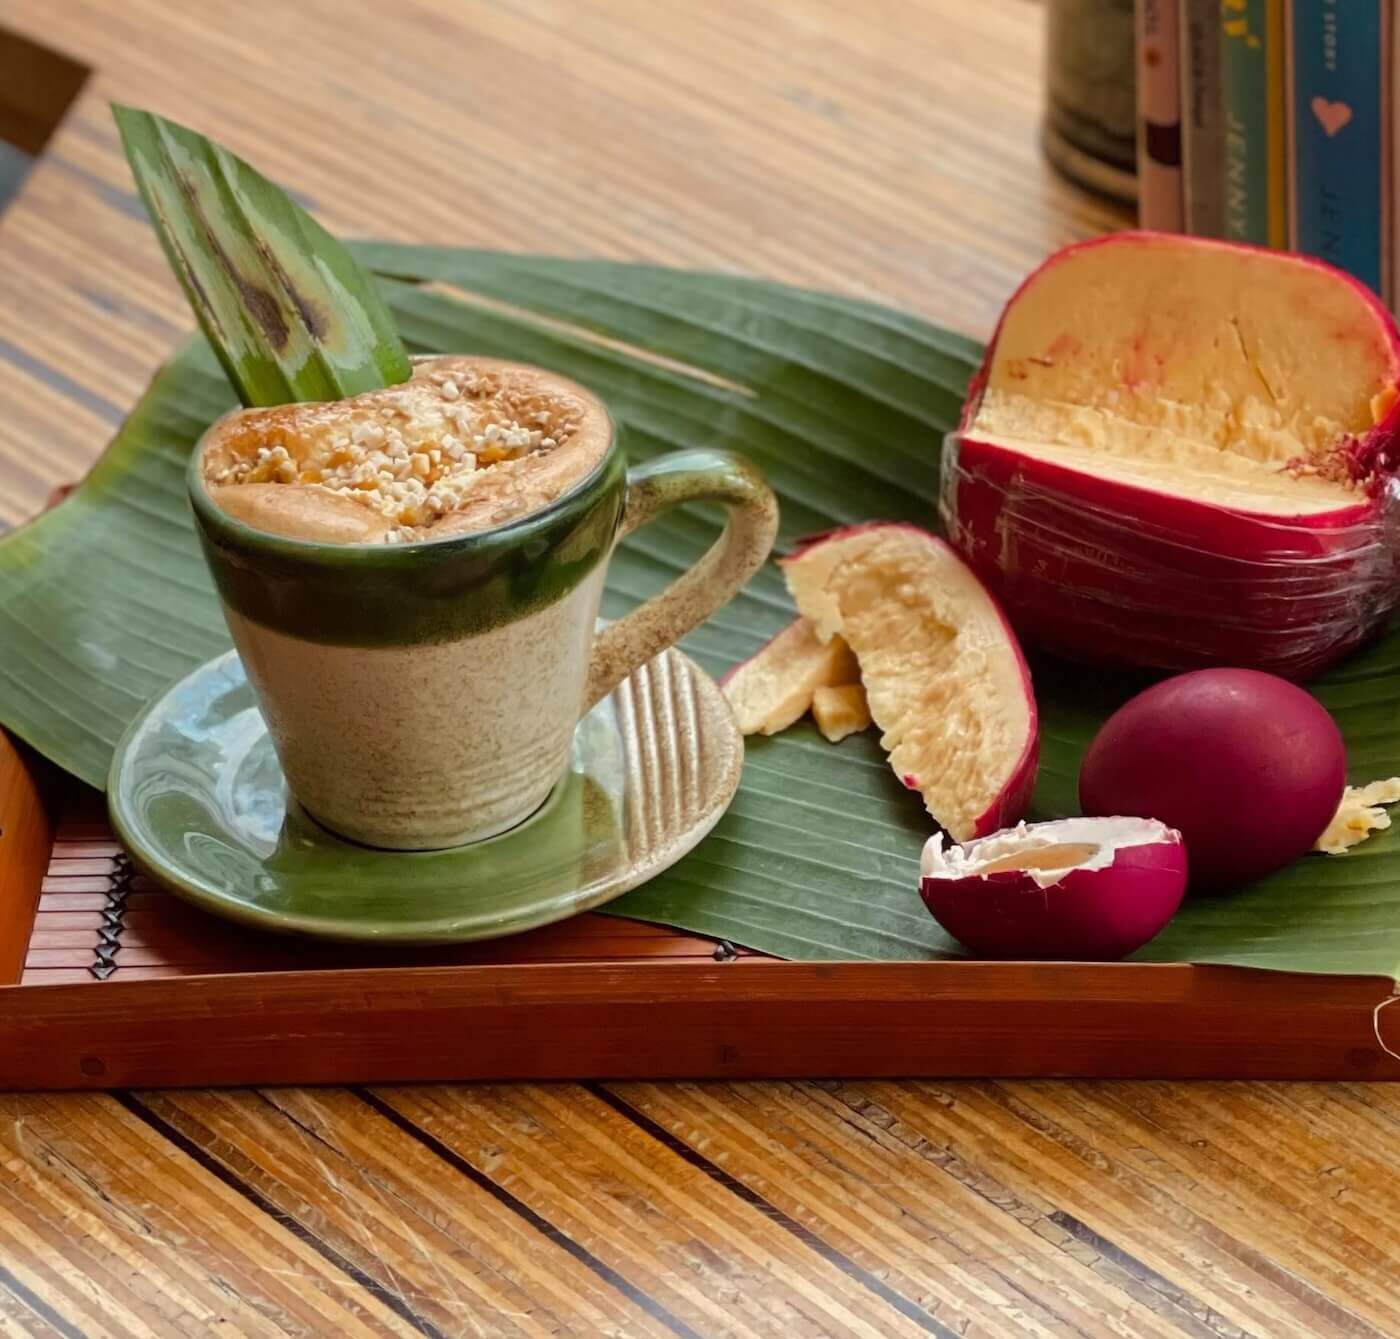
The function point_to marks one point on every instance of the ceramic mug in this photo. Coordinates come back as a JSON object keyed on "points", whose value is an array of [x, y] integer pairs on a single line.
{"points": [[425, 695]]}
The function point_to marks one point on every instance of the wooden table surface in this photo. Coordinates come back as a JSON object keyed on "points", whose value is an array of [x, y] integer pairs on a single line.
{"points": [[879, 147]]}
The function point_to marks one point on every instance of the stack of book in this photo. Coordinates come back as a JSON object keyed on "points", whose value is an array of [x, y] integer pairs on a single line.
{"points": [[1270, 121]]}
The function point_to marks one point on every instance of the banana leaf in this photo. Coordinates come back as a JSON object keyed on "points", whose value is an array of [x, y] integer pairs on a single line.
{"points": [[290, 312], [104, 600]]}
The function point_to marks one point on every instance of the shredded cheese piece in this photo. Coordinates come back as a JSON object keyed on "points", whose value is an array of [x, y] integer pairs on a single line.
{"points": [[1359, 815]]}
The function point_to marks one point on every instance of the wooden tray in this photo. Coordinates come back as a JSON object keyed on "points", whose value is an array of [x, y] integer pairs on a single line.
{"points": [[108, 981]]}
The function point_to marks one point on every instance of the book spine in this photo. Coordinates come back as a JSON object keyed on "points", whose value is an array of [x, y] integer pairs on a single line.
{"points": [[1159, 116], [1389, 274], [1245, 81], [1202, 118], [1336, 76], [1275, 51]]}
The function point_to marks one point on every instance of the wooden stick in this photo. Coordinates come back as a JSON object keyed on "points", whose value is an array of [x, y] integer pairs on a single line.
{"points": [[650, 1019]]}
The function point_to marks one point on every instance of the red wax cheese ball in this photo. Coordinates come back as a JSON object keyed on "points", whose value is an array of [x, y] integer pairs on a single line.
{"points": [[1246, 766], [1125, 475]]}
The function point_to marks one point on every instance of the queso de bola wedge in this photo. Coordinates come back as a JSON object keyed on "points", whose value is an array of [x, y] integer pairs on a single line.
{"points": [[943, 676], [1181, 453]]}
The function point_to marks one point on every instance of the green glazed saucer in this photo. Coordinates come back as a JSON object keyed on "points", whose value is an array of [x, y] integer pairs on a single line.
{"points": [[198, 799]]}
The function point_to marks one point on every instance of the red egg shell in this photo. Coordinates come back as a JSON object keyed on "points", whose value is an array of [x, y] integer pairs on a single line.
{"points": [[1091, 915], [1247, 767]]}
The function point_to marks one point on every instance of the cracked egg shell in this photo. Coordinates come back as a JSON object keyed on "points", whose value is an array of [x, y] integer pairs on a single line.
{"points": [[1078, 889]]}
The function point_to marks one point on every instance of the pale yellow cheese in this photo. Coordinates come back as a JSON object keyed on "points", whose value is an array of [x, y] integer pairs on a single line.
{"points": [[1197, 371], [955, 712], [775, 689], [1359, 815], [841, 711]]}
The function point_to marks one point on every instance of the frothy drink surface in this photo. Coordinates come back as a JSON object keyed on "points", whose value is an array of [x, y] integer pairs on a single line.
{"points": [[466, 444]]}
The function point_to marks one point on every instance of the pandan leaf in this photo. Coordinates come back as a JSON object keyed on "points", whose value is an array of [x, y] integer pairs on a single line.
{"points": [[290, 313], [842, 403]]}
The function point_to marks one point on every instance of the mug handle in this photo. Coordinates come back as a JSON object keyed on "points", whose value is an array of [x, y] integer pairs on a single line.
{"points": [[654, 487]]}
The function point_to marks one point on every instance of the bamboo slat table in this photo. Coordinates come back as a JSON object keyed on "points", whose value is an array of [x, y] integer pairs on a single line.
{"points": [[879, 147]]}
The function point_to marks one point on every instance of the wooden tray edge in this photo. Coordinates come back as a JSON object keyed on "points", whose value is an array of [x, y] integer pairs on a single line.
{"points": [[26, 839], [790, 1019]]}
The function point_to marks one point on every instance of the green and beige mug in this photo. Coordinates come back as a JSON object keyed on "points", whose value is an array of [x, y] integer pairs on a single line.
{"points": [[425, 695]]}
